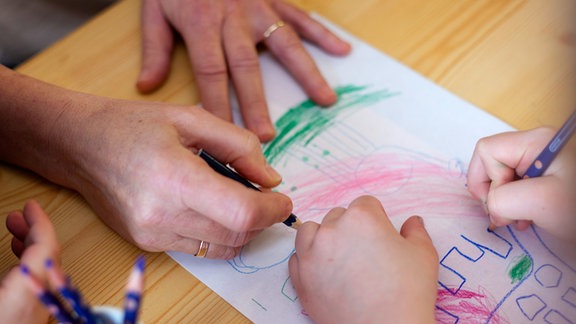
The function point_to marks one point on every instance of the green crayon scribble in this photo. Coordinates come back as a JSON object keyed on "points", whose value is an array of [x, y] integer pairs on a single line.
{"points": [[520, 269], [303, 123]]}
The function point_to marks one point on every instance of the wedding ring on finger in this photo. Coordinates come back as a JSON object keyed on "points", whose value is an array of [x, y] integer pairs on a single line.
{"points": [[274, 27], [202, 250]]}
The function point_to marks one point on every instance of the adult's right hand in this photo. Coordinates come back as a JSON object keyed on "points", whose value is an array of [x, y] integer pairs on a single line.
{"points": [[135, 164]]}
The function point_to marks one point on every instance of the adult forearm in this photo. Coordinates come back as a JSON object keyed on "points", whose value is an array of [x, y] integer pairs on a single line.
{"points": [[36, 127]]}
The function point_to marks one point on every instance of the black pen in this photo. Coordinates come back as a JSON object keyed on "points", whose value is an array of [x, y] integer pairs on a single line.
{"points": [[291, 221]]}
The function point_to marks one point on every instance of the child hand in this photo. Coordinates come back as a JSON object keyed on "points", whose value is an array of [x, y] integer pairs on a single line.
{"points": [[548, 201], [356, 268], [34, 242]]}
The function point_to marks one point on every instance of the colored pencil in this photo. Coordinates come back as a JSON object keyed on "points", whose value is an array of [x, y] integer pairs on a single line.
{"points": [[70, 293], [51, 302], [291, 221], [134, 290], [547, 156]]}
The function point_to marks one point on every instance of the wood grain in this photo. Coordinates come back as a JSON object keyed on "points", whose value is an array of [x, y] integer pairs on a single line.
{"points": [[515, 59]]}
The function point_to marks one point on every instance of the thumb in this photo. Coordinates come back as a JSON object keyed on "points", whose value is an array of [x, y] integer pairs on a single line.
{"points": [[529, 199], [157, 45], [414, 231]]}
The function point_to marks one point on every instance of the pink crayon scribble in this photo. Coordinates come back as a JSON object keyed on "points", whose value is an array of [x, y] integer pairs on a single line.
{"points": [[467, 306], [406, 183]]}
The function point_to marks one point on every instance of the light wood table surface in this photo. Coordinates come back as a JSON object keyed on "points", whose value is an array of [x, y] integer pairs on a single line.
{"points": [[515, 59]]}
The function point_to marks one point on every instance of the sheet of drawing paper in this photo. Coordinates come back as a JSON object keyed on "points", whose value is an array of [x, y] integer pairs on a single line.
{"points": [[395, 135]]}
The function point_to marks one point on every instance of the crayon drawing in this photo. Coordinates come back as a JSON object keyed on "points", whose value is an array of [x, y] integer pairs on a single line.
{"points": [[402, 139]]}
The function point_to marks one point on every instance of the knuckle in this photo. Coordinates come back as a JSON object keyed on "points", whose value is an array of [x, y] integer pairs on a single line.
{"points": [[244, 59], [252, 143], [238, 240], [146, 243], [210, 69], [141, 230], [242, 220]]}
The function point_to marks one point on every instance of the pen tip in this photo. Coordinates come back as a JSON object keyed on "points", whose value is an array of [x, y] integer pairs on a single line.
{"points": [[296, 225], [491, 227]]}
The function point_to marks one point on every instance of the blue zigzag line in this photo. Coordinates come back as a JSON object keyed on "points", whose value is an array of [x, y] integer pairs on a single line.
{"points": [[482, 249]]}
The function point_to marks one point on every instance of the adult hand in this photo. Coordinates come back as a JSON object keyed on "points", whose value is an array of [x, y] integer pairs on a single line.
{"points": [[34, 242], [134, 162], [548, 201], [139, 171], [356, 268], [220, 37]]}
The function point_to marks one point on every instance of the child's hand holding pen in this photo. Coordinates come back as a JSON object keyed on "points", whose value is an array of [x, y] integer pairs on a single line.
{"points": [[547, 200]]}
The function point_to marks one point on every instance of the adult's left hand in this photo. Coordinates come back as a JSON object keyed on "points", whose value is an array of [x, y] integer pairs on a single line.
{"points": [[221, 38]]}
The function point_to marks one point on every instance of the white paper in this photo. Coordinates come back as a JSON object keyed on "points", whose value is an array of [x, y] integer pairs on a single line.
{"points": [[397, 136]]}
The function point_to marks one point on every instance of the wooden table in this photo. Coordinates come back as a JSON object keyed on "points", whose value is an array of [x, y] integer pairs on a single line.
{"points": [[515, 59]]}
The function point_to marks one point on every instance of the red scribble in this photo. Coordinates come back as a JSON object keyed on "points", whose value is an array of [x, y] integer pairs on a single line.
{"points": [[405, 183], [468, 306]]}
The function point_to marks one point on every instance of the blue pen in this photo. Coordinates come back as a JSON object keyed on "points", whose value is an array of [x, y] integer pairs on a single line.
{"points": [[546, 157]]}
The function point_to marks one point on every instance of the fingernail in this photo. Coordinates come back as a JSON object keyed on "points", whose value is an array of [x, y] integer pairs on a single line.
{"points": [[420, 219], [48, 263], [328, 97], [273, 174], [266, 133]]}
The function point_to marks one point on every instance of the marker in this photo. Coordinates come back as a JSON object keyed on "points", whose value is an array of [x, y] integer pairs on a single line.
{"points": [[291, 221], [547, 156], [134, 289]]}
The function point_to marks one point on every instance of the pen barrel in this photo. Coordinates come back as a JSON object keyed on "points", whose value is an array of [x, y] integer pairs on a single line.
{"points": [[224, 170]]}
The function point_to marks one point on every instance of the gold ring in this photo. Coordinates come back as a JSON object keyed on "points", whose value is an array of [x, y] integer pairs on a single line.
{"points": [[202, 250], [275, 26]]}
